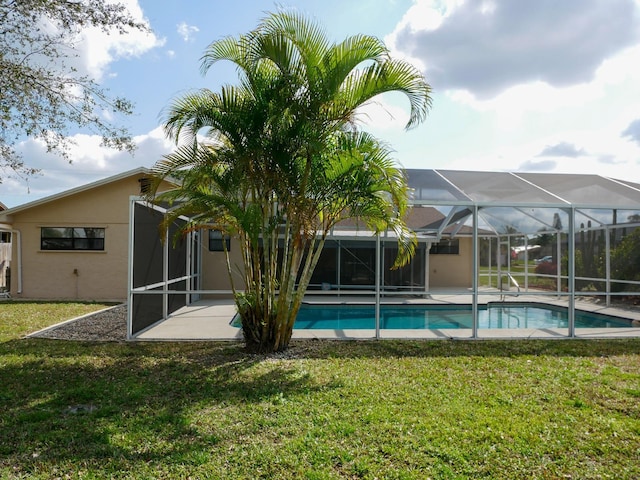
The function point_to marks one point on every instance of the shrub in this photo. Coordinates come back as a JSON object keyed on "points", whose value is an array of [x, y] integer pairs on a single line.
{"points": [[547, 268]]}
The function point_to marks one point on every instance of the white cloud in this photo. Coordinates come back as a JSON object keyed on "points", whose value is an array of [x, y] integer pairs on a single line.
{"points": [[578, 151], [632, 132], [423, 15], [537, 166], [619, 70], [89, 162], [187, 31], [382, 115], [537, 86], [513, 102], [427, 15], [487, 47], [97, 49], [562, 149]]}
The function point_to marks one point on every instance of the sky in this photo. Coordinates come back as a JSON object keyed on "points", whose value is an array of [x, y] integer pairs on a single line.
{"points": [[521, 86]]}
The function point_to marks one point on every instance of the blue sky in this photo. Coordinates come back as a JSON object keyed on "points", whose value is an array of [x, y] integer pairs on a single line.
{"points": [[542, 86]]}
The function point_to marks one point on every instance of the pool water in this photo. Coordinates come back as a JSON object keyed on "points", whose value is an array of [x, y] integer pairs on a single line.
{"points": [[432, 317]]}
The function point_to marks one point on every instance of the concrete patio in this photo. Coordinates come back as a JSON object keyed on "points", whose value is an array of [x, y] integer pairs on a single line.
{"points": [[210, 320]]}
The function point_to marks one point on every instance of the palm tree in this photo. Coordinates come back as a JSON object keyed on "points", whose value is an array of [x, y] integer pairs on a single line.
{"points": [[277, 161]]}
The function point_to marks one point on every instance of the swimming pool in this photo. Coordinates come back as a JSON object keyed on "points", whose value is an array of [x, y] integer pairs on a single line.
{"points": [[437, 317]]}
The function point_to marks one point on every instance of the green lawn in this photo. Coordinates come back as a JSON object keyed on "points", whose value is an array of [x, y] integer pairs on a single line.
{"points": [[21, 318], [517, 272], [388, 409]]}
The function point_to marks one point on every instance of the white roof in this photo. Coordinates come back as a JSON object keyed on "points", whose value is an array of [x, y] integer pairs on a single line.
{"points": [[78, 189]]}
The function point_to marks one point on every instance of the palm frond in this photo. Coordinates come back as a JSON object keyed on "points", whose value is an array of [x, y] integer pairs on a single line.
{"points": [[307, 36], [282, 148], [362, 85]]}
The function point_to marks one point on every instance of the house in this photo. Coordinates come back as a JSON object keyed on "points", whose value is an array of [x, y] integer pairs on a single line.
{"points": [[76, 244], [347, 259], [73, 245]]}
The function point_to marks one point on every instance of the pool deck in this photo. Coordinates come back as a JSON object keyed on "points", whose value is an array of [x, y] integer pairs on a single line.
{"points": [[210, 320]]}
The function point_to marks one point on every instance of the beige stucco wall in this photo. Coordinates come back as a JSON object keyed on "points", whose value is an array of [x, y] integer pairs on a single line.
{"points": [[452, 270], [214, 267], [83, 275]]}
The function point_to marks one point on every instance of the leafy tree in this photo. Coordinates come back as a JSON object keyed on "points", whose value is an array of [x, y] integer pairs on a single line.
{"points": [[543, 239], [277, 161], [41, 93], [625, 262]]}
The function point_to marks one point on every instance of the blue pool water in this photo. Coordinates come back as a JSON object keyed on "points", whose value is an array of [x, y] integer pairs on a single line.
{"points": [[426, 317]]}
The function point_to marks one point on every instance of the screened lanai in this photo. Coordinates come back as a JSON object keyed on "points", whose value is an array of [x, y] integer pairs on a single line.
{"points": [[539, 234], [483, 237]]}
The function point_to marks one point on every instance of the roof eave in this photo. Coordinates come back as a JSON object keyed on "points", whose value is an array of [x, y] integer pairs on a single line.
{"points": [[76, 190]]}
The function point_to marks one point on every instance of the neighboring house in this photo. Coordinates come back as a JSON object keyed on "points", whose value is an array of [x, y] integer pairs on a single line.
{"points": [[74, 245]]}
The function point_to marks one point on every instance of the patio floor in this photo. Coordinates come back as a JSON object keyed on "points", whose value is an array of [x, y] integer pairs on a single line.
{"points": [[210, 320]]}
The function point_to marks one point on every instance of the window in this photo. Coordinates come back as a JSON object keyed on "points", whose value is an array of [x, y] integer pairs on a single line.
{"points": [[72, 238], [215, 241], [446, 247]]}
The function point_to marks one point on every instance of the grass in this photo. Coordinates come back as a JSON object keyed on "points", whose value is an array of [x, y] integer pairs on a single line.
{"points": [[323, 410], [518, 273], [18, 318]]}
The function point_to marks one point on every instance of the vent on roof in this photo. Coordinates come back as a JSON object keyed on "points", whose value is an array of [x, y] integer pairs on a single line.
{"points": [[145, 185]]}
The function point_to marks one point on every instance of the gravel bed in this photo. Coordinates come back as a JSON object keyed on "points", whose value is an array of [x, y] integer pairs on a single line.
{"points": [[105, 326]]}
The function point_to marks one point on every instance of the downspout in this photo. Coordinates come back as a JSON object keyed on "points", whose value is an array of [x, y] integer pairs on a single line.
{"points": [[18, 255]]}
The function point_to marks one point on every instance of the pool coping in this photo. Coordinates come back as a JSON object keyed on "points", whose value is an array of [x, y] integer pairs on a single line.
{"points": [[210, 320]]}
